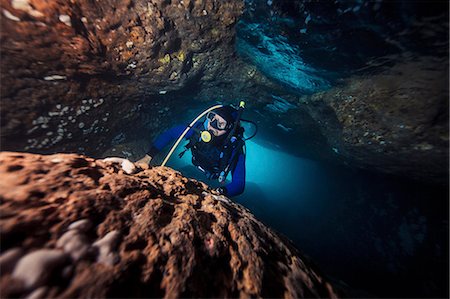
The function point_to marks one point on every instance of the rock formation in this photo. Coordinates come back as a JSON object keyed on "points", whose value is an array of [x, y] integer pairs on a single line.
{"points": [[94, 77], [72, 226], [394, 122], [66, 67], [372, 74]]}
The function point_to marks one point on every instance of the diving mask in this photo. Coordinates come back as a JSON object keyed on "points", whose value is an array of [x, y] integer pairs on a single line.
{"points": [[216, 121]]}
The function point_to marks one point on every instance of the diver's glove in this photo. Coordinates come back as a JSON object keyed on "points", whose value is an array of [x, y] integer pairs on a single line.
{"points": [[222, 190], [144, 162]]}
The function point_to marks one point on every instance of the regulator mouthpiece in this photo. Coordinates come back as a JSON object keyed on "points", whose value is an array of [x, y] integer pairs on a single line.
{"points": [[206, 136]]}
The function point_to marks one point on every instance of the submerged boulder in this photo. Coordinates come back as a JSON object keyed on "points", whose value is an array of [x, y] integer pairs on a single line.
{"points": [[87, 228]]}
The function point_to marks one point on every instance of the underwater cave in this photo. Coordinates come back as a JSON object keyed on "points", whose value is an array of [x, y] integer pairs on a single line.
{"points": [[340, 110]]}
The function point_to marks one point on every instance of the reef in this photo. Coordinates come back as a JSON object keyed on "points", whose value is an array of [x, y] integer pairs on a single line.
{"points": [[66, 67], [72, 226]]}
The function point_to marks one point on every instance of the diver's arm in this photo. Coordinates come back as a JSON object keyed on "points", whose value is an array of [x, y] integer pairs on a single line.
{"points": [[237, 184], [165, 138]]}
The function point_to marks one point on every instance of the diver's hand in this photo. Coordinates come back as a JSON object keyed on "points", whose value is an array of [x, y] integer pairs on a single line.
{"points": [[144, 162]]}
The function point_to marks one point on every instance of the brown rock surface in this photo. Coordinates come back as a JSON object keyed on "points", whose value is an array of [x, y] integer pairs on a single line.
{"points": [[393, 122], [67, 66], [149, 234]]}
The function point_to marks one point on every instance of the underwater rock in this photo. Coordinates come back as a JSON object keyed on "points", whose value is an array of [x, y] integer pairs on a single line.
{"points": [[35, 268], [173, 236], [380, 71], [106, 246], [9, 258], [82, 225], [394, 122], [66, 66], [127, 165], [74, 243], [38, 293], [309, 45]]}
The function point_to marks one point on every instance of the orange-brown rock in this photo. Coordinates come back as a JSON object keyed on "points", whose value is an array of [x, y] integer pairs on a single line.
{"points": [[86, 228]]}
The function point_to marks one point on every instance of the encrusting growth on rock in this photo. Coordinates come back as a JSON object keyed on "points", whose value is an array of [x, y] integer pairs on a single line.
{"points": [[73, 226], [88, 57]]}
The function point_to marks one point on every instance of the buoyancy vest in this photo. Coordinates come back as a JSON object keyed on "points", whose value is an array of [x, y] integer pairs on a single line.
{"points": [[215, 160]]}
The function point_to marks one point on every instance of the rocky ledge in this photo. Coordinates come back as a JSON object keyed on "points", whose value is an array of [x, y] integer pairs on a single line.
{"points": [[73, 226], [67, 65], [394, 122]]}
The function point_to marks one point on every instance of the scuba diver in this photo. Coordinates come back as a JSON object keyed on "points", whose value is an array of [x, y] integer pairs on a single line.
{"points": [[217, 145]]}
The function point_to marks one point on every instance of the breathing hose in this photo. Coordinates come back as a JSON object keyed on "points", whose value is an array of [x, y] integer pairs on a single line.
{"points": [[185, 132], [254, 124]]}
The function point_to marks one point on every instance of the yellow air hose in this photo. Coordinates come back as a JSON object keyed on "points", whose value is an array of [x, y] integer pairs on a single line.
{"points": [[185, 131]]}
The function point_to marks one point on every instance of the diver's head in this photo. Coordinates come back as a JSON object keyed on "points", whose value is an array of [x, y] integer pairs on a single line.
{"points": [[216, 124], [221, 120]]}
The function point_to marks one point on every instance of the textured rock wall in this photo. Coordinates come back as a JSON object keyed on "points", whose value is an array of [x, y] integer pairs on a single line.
{"points": [[382, 71], [93, 77], [75, 74], [73, 226], [394, 122]]}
